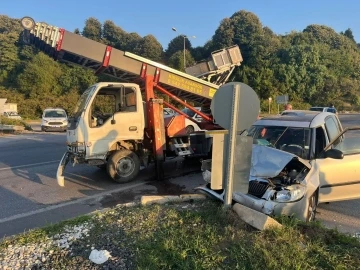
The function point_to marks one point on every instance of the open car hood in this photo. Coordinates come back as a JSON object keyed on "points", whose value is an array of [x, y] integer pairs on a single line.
{"points": [[269, 162]]}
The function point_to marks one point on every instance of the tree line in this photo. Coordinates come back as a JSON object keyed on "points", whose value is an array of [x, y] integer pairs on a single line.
{"points": [[316, 66]]}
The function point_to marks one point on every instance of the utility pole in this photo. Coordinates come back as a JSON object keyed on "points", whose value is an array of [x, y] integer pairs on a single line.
{"points": [[185, 37]]}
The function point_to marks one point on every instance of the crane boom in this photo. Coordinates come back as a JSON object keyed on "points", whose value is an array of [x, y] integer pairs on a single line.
{"points": [[69, 47]]}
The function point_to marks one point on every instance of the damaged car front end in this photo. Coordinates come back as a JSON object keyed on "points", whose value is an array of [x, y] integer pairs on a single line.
{"points": [[280, 183]]}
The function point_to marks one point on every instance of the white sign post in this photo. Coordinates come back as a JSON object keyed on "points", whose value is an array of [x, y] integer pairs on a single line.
{"points": [[270, 99]]}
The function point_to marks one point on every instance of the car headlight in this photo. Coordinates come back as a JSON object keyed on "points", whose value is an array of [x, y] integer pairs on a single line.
{"points": [[45, 121], [292, 193]]}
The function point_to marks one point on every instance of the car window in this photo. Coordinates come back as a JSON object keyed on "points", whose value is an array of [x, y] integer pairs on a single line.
{"points": [[317, 109], [332, 128], [349, 143], [289, 139], [189, 113]]}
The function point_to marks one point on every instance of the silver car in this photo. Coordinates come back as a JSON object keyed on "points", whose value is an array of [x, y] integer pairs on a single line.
{"points": [[54, 119], [298, 161]]}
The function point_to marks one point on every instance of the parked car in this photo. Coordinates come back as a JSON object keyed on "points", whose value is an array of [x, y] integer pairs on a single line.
{"points": [[324, 109], [192, 114], [190, 126], [54, 119], [12, 115], [298, 161]]}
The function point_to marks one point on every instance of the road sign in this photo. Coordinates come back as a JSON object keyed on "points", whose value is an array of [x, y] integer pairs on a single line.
{"points": [[282, 99]]}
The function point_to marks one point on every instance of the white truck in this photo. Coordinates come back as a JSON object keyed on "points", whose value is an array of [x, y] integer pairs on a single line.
{"points": [[113, 125]]}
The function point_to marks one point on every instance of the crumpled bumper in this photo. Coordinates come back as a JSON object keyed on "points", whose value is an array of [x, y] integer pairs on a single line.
{"points": [[60, 171]]}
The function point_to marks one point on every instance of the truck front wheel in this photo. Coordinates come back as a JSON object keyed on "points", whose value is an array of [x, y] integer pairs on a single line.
{"points": [[123, 166]]}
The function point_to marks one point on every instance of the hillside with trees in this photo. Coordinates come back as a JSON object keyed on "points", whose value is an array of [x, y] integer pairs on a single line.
{"points": [[316, 66]]}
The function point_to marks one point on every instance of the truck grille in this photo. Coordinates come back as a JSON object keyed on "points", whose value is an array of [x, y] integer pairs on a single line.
{"points": [[257, 188], [55, 123]]}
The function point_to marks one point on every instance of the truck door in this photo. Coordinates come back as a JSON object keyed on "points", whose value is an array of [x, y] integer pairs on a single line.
{"points": [[116, 114]]}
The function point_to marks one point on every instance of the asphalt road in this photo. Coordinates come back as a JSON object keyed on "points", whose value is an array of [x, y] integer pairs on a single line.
{"points": [[30, 196]]}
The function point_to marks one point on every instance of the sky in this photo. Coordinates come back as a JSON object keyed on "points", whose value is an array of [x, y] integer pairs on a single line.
{"points": [[199, 18]]}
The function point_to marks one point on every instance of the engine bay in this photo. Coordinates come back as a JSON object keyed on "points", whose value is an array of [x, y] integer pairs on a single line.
{"points": [[293, 173]]}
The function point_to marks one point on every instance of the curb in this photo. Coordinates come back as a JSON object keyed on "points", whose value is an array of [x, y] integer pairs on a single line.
{"points": [[148, 200]]}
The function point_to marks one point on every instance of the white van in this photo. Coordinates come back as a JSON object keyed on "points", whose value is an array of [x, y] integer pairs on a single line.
{"points": [[12, 115], [54, 119]]}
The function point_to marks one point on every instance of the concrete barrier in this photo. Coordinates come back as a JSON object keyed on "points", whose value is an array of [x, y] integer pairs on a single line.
{"points": [[147, 200], [11, 128], [254, 218]]}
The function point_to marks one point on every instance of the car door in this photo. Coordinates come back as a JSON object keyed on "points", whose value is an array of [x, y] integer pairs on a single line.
{"points": [[339, 178]]}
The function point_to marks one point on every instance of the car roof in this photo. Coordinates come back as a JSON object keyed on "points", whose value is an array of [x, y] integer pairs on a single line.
{"points": [[295, 118], [50, 109]]}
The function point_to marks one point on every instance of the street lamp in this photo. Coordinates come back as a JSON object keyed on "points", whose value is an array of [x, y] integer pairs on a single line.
{"points": [[185, 37]]}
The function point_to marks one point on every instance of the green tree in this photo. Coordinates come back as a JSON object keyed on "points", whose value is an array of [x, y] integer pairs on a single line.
{"points": [[176, 61], [349, 34], [8, 54], [149, 47], [92, 29], [177, 44], [40, 77], [114, 35], [131, 42]]}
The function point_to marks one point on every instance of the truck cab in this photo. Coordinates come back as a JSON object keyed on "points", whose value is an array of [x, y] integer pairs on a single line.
{"points": [[107, 117]]}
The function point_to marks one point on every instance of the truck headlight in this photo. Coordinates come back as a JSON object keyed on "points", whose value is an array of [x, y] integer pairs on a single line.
{"points": [[292, 193]]}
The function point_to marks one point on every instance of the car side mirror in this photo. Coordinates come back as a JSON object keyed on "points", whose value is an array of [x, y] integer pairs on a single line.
{"points": [[334, 153]]}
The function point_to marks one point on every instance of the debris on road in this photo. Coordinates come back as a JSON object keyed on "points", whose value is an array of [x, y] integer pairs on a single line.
{"points": [[99, 256]]}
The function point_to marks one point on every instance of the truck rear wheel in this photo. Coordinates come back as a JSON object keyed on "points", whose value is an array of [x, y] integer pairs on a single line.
{"points": [[123, 166]]}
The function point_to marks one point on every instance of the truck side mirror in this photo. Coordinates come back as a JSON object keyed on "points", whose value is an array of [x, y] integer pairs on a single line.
{"points": [[113, 122]]}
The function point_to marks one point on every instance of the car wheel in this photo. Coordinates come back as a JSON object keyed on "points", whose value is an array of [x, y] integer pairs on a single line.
{"points": [[189, 129], [123, 166], [312, 208]]}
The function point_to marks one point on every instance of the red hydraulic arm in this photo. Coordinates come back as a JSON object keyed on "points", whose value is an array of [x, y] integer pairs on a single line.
{"points": [[164, 91], [178, 111], [155, 125]]}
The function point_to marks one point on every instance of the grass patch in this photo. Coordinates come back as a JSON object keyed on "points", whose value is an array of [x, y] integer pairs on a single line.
{"points": [[201, 235]]}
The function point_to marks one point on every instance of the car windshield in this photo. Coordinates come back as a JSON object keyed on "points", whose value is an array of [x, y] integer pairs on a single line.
{"points": [[55, 114], [289, 139]]}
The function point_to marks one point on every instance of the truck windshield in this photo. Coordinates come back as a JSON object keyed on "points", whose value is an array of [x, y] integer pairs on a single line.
{"points": [[289, 139], [81, 104]]}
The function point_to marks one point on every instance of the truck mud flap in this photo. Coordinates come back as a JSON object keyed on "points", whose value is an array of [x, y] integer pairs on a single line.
{"points": [[60, 171]]}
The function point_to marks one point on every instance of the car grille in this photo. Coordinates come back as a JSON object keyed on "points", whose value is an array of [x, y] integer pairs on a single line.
{"points": [[257, 188], [55, 123]]}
